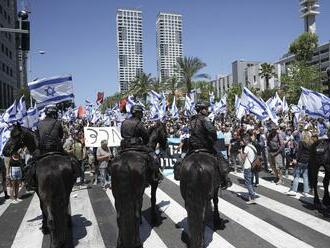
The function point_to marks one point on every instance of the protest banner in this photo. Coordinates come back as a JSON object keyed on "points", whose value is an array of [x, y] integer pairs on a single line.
{"points": [[94, 136]]}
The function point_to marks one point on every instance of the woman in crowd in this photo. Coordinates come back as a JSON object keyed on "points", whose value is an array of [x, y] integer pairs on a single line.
{"points": [[15, 174], [301, 168]]}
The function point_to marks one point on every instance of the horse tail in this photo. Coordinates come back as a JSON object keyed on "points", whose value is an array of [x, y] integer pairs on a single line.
{"points": [[198, 189], [128, 187]]}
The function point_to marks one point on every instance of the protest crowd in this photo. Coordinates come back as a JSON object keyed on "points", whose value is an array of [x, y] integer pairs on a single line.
{"points": [[260, 136]]}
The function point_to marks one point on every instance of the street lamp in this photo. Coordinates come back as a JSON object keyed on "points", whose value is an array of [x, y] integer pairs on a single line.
{"points": [[38, 52]]}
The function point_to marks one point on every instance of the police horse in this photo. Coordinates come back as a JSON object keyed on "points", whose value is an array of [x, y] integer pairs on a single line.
{"points": [[130, 175], [55, 177], [320, 156], [199, 183]]}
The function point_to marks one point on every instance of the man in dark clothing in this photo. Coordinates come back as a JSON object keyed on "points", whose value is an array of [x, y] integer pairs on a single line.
{"points": [[135, 135], [133, 132], [203, 135], [50, 132]]}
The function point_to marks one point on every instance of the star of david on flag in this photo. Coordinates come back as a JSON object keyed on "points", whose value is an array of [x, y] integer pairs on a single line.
{"points": [[51, 90], [315, 104]]}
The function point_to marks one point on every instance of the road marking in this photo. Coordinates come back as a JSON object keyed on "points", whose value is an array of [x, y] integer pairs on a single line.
{"points": [[153, 240], [281, 189], [289, 212], [290, 177], [264, 230], [178, 213], [81, 206], [29, 235]]}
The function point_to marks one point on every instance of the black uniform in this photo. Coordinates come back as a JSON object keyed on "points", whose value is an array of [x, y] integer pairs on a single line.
{"points": [[134, 134], [203, 134], [50, 135]]}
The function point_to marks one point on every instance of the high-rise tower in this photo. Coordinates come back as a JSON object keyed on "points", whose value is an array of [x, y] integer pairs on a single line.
{"points": [[309, 11], [169, 44], [129, 45]]}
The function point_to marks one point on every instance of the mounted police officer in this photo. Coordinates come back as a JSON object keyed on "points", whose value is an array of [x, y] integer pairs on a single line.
{"points": [[135, 136], [133, 132], [50, 132], [203, 136]]}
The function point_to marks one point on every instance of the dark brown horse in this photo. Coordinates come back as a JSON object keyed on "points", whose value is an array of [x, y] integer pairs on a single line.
{"points": [[130, 175], [54, 177], [199, 183]]}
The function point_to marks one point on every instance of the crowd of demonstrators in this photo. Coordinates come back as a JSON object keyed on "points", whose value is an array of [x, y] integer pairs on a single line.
{"points": [[284, 148]]}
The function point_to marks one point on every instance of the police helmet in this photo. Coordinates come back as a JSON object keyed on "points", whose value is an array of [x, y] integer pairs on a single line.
{"points": [[137, 109], [51, 110], [200, 106]]}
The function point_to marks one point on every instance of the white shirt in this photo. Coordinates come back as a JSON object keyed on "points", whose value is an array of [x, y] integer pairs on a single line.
{"points": [[227, 136], [250, 156]]}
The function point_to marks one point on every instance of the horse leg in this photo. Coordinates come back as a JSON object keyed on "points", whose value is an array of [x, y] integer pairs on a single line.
{"points": [[218, 222], [154, 186], [326, 197], [44, 227]]}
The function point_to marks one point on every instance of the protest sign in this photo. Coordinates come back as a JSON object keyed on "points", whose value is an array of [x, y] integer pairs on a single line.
{"points": [[94, 136]]}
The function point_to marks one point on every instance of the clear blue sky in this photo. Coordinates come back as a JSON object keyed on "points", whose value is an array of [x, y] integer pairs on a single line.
{"points": [[79, 35]]}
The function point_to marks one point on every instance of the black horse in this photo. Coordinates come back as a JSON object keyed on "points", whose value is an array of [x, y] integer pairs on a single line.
{"points": [[130, 175], [320, 156], [55, 178], [199, 183]]}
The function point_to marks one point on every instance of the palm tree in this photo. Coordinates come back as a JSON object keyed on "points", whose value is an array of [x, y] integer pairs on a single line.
{"points": [[189, 67], [267, 72], [142, 84]]}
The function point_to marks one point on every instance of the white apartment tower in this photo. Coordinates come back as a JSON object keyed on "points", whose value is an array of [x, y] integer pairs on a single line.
{"points": [[129, 45], [309, 10], [169, 44]]}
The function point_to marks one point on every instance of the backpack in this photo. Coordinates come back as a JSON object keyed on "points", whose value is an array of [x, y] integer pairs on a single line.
{"points": [[256, 164]]}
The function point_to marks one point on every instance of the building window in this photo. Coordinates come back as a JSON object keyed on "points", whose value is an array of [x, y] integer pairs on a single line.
{"points": [[123, 60]]}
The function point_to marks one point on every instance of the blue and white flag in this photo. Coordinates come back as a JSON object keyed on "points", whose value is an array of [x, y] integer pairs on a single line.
{"points": [[275, 104], [130, 103], [189, 105], [212, 98], [4, 137], [253, 104], [296, 110], [174, 110], [33, 117], [285, 105], [21, 114], [10, 114], [314, 104], [162, 109], [51, 90]]}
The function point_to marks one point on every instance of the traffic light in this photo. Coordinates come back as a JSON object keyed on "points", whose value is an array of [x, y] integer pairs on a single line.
{"points": [[24, 24], [25, 40]]}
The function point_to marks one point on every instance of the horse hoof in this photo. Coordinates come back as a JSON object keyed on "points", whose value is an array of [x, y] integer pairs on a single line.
{"points": [[219, 224]]}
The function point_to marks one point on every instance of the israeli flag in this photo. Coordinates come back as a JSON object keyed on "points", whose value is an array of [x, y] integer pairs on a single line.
{"points": [[51, 90], [285, 105], [4, 137], [174, 110], [130, 103], [33, 117], [189, 105], [162, 109], [10, 114], [253, 104], [21, 114], [314, 104], [212, 98]]}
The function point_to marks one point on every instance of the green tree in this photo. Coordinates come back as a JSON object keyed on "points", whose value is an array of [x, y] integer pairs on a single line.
{"points": [[303, 47], [300, 75], [141, 86], [189, 68], [267, 72], [267, 93], [205, 88], [235, 90]]}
